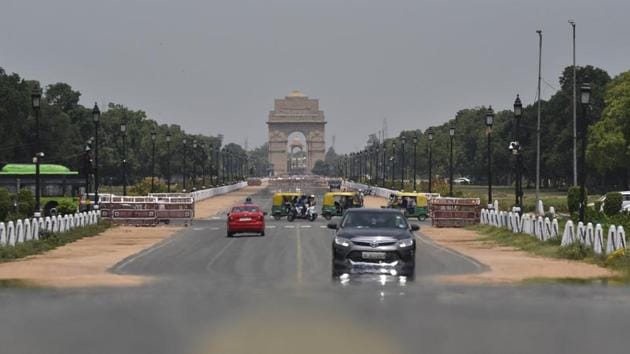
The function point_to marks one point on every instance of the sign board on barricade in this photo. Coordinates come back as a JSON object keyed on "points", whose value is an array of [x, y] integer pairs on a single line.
{"points": [[454, 212], [175, 208]]}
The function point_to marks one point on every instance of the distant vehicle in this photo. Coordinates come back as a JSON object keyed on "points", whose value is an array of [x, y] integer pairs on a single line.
{"points": [[462, 180], [334, 184], [374, 240], [246, 218], [625, 201]]}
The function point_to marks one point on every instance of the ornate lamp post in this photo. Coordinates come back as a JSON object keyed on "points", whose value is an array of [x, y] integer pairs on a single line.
{"points": [[153, 137], [194, 165], [185, 153], [96, 117], [384, 165], [123, 132], [516, 151], [489, 122], [451, 133], [393, 158], [585, 100], [168, 162], [430, 136], [403, 140], [36, 96], [415, 171]]}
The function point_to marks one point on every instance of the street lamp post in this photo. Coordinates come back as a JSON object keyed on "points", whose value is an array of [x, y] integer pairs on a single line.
{"points": [[185, 152], [415, 171], [212, 162], [516, 150], [153, 137], [393, 158], [194, 165], [168, 162], [383, 175], [489, 122], [96, 117], [451, 133], [430, 136], [585, 100], [123, 132], [377, 151], [86, 167], [36, 96], [403, 140]]}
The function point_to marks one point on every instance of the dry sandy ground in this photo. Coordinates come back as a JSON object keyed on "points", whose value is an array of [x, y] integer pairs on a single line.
{"points": [[506, 264], [86, 262]]}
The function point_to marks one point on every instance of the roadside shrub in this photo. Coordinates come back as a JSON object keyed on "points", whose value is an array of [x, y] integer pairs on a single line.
{"points": [[576, 251], [597, 205], [573, 199], [612, 206], [66, 207]]}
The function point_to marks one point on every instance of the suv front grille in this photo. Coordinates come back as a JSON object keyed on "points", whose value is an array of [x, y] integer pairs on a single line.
{"points": [[355, 256]]}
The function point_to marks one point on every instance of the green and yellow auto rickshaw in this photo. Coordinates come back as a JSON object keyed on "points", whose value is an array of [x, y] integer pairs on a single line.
{"points": [[281, 203], [335, 203], [414, 205]]}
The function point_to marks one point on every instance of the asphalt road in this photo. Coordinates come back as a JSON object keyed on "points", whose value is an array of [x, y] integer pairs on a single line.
{"points": [[275, 294]]}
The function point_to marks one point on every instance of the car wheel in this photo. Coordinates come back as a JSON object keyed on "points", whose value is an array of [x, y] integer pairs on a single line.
{"points": [[262, 233], [277, 217], [327, 216], [422, 217], [290, 217]]}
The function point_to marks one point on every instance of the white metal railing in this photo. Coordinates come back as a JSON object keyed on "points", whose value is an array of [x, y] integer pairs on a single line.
{"points": [[590, 235], [211, 192], [23, 230]]}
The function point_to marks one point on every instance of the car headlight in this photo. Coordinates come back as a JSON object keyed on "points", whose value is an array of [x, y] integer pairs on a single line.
{"points": [[406, 243], [342, 242]]}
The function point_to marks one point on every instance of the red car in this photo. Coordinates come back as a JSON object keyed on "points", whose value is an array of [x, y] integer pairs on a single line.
{"points": [[246, 218]]}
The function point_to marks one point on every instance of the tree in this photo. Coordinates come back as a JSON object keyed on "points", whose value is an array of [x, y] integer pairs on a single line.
{"points": [[608, 148], [321, 168]]}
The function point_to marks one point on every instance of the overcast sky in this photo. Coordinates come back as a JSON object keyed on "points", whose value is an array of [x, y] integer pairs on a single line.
{"points": [[216, 66]]}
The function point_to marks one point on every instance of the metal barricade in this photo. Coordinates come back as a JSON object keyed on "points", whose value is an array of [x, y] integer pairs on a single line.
{"points": [[179, 207], [454, 212]]}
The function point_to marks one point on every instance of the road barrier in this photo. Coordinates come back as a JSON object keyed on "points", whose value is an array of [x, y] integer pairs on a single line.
{"points": [[456, 212], [591, 236], [20, 231]]}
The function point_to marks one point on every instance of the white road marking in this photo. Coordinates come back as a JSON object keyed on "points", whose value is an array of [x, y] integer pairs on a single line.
{"points": [[323, 226], [299, 256], [215, 228], [216, 218], [216, 256], [270, 227], [289, 227], [305, 226], [198, 228]]}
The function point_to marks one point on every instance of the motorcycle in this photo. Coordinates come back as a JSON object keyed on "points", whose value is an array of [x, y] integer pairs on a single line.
{"points": [[297, 212]]}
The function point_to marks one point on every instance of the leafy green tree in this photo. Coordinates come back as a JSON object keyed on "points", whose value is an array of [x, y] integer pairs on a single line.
{"points": [[5, 204]]}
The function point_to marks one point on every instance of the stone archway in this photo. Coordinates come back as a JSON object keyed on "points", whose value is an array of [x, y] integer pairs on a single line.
{"points": [[296, 113]]}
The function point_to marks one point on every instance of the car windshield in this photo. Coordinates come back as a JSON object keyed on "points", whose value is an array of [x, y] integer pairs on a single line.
{"points": [[374, 220], [241, 209]]}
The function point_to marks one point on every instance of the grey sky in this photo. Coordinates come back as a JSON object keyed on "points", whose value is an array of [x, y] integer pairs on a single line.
{"points": [[216, 66]]}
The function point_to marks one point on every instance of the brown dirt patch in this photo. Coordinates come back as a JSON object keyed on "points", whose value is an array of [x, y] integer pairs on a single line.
{"points": [[211, 206], [370, 201], [506, 264], [86, 262]]}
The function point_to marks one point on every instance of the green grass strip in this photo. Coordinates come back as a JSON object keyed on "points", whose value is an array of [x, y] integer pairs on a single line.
{"points": [[50, 242], [618, 261]]}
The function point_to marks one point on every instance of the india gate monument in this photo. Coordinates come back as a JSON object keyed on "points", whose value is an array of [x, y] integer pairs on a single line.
{"points": [[295, 113]]}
